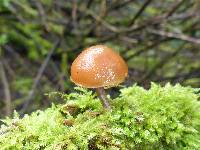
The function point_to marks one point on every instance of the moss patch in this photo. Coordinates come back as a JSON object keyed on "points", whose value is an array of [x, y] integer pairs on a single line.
{"points": [[159, 118]]}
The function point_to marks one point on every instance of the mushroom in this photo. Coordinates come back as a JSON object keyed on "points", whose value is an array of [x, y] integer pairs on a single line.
{"points": [[99, 67]]}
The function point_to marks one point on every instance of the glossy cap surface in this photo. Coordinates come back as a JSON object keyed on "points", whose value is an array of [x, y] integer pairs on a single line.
{"points": [[98, 66]]}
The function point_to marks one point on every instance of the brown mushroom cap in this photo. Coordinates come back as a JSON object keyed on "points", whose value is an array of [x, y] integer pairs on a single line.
{"points": [[98, 66]]}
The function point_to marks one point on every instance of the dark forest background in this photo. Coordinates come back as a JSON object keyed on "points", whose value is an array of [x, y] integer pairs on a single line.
{"points": [[39, 39]]}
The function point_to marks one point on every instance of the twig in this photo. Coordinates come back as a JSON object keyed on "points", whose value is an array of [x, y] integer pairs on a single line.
{"points": [[104, 23], [184, 15], [124, 30], [101, 15], [74, 13], [119, 5], [162, 63], [18, 16], [146, 48], [41, 13], [157, 19], [174, 8], [39, 75], [121, 30], [175, 35], [147, 2], [20, 60], [58, 21], [89, 3], [128, 39], [194, 73], [6, 89]]}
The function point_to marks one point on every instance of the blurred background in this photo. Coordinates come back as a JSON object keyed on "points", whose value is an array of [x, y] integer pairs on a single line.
{"points": [[39, 39]]}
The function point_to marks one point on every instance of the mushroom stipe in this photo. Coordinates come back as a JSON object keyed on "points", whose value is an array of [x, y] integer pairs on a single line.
{"points": [[99, 67], [102, 96]]}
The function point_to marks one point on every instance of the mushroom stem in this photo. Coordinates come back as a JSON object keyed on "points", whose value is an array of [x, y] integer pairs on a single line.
{"points": [[102, 96]]}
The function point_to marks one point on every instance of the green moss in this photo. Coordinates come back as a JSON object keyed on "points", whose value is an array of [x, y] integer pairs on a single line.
{"points": [[159, 118]]}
